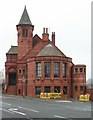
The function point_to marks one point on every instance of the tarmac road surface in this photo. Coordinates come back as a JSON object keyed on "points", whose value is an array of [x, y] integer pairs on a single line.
{"points": [[33, 108]]}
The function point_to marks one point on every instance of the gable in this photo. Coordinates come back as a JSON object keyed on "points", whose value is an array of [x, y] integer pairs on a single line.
{"points": [[49, 50], [36, 40]]}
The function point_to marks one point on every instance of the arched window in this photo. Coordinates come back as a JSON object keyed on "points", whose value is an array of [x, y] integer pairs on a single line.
{"points": [[12, 76], [25, 33]]}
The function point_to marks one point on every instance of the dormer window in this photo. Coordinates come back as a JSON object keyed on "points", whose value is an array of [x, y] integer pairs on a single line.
{"points": [[25, 33]]}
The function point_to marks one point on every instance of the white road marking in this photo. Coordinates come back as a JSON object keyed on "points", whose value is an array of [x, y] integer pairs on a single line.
{"points": [[15, 111], [28, 109], [5, 103], [6, 110], [9, 97], [63, 101], [59, 116]]}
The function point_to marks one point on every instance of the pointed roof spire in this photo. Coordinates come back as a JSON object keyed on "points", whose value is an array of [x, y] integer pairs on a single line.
{"points": [[25, 20]]}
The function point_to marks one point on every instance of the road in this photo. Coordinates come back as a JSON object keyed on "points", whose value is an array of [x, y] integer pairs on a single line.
{"points": [[30, 108]]}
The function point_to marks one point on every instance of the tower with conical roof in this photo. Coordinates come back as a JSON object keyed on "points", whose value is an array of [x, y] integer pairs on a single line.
{"points": [[25, 34]]}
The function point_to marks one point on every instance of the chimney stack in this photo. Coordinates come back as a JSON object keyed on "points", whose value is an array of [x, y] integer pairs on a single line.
{"points": [[46, 30], [53, 37], [43, 30], [45, 35]]}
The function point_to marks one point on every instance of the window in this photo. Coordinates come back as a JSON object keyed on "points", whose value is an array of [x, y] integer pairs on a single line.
{"points": [[38, 70], [65, 79], [65, 90], [18, 91], [57, 89], [25, 33], [23, 70], [81, 88], [19, 71], [47, 89], [64, 70], [37, 90], [76, 70], [56, 69], [81, 70], [76, 88], [47, 69], [12, 78]]}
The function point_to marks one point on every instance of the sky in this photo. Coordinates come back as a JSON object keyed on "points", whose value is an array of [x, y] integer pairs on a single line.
{"points": [[69, 19]]}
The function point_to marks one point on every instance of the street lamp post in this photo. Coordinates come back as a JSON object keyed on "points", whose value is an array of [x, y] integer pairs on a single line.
{"points": [[23, 81]]}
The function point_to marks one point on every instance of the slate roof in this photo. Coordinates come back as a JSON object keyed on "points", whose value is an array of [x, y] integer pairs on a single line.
{"points": [[49, 50], [25, 20], [13, 50], [36, 40]]}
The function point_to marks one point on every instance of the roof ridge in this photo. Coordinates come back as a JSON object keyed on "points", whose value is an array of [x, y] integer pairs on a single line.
{"points": [[49, 50], [14, 46]]}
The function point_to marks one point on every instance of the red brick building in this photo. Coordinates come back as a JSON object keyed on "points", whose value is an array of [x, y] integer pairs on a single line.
{"points": [[37, 65]]}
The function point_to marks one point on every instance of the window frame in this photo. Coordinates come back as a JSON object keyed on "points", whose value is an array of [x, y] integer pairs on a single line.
{"points": [[81, 88], [76, 70], [47, 69], [37, 90], [57, 89], [38, 70], [56, 69], [64, 69], [47, 89], [81, 70], [76, 88], [20, 71], [65, 88], [24, 32], [12, 78]]}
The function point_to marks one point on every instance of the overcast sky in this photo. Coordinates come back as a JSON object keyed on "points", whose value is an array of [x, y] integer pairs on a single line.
{"points": [[69, 19]]}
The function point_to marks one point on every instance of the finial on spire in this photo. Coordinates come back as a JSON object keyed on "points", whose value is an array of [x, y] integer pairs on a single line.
{"points": [[25, 7]]}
